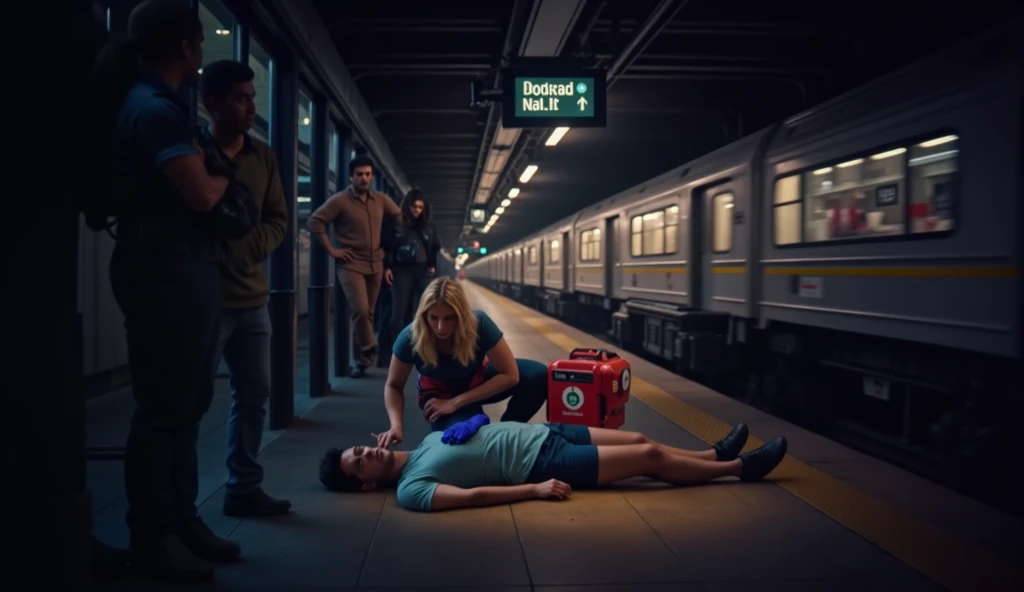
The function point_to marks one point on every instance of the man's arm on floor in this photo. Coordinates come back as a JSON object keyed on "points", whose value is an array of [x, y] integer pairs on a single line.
{"points": [[448, 497]]}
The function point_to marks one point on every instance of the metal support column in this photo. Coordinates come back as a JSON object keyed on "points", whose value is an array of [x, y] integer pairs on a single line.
{"points": [[284, 138], [342, 336], [319, 384]]}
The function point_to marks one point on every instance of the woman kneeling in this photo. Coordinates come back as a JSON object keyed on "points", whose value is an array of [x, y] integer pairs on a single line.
{"points": [[463, 363]]}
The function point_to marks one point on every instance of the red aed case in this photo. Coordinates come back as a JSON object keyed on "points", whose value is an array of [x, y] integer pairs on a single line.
{"points": [[591, 388]]}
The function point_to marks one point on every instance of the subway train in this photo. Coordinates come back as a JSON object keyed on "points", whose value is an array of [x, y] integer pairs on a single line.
{"points": [[853, 267]]}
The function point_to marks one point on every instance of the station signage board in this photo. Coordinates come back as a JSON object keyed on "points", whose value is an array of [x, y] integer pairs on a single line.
{"points": [[553, 96], [478, 215]]}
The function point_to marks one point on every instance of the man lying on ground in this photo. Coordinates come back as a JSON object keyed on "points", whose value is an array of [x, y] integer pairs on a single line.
{"points": [[509, 462]]}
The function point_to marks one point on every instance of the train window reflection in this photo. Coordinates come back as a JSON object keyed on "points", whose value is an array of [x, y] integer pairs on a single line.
{"points": [[933, 169], [856, 198]]}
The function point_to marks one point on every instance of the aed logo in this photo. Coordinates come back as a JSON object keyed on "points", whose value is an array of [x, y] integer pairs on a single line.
{"points": [[572, 398]]}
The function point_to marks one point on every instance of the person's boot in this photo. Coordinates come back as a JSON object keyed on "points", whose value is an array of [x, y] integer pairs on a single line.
{"points": [[199, 539], [759, 462], [730, 446], [256, 503], [167, 559]]}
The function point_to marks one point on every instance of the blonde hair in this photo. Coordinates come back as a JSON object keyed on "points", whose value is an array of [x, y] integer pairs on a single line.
{"points": [[444, 290]]}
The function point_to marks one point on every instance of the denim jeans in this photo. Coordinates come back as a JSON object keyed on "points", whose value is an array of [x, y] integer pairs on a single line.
{"points": [[245, 346]]}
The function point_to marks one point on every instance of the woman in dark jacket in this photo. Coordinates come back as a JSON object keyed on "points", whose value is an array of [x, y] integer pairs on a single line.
{"points": [[411, 247]]}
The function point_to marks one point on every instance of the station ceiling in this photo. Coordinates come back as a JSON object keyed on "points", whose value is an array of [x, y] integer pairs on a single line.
{"points": [[705, 74]]}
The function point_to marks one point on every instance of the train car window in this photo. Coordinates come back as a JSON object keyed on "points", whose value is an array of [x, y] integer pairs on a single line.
{"points": [[787, 206], [858, 198], [933, 169], [590, 245], [655, 233], [636, 236], [555, 253], [533, 256], [721, 222], [671, 229]]}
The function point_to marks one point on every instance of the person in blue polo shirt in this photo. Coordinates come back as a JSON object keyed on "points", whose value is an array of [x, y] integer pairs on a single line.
{"points": [[165, 277], [463, 363]]}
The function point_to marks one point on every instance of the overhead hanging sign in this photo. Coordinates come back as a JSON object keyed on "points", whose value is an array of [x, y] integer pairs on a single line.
{"points": [[478, 215], [553, 96]]}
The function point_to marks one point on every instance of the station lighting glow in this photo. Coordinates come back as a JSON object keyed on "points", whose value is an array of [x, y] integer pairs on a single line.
{"points": [[528, 174], [556, 136], [506, 203], [937, 141], [500, 210], [512, 193]]}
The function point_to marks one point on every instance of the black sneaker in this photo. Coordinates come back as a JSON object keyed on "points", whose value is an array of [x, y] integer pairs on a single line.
{"points": [[759, 462], [257, 503], [168, 559], [199, 539], [729, 447]]}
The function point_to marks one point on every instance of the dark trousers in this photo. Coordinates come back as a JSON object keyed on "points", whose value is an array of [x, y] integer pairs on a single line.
{"points": [[172, 307], [244, 344], [406, 290], [527, 396]]}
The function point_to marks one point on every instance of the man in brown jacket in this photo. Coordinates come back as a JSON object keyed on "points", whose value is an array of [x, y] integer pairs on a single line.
{"points": [[357, 214]]}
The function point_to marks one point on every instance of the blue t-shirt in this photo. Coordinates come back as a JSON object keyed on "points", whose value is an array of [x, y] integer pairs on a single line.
{"points": [[450, 378], [499, 454], [154, 123]]}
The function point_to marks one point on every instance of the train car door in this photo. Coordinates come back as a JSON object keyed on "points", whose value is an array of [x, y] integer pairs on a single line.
{"points": [[610, 257], [714, 229]]}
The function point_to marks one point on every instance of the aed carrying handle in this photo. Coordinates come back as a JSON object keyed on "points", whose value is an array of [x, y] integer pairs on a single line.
{"points": [[586, 353]]}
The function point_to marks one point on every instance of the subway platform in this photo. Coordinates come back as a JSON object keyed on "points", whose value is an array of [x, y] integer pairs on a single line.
{"points": [[828, 519]]}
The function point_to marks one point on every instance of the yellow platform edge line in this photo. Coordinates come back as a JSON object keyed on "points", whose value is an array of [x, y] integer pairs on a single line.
{"points": [[943, 558]]}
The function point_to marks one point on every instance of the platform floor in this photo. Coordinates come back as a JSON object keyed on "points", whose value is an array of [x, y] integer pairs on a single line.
{"points": [[828, 519]]}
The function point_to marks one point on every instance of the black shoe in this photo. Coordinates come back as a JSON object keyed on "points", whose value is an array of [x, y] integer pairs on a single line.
{"points": [[168, 559], [358, 372], [729, 447], [199, 539], [761, 461], [257, 503]]}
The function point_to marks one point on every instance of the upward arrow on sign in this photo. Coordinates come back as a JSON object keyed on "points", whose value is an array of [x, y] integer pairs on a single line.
{"points": [[582, 103]]}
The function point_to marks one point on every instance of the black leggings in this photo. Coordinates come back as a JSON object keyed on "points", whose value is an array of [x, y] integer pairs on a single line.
{"points": [[406, 291]]}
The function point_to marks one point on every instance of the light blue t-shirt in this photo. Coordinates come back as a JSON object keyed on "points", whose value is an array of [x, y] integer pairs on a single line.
{"points": [[499, 454], [449, 378]]}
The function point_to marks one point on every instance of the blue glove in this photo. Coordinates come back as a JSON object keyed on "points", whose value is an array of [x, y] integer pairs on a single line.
{"points": [[460, 432]]}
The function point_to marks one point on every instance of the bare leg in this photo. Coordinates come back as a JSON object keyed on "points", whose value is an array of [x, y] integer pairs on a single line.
{"points": [[616, 463], [606, 437]]}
